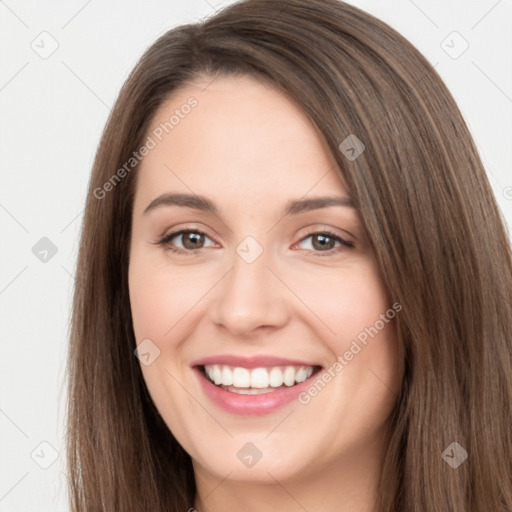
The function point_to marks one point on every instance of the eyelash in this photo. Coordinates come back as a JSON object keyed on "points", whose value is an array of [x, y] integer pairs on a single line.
{"points": [[165, 242]]}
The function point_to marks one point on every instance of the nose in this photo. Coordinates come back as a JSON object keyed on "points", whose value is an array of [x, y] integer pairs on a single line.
{"points": [[250, 298]]}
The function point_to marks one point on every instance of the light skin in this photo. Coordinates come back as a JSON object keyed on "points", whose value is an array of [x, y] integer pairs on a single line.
{"points": [[250, 150]]}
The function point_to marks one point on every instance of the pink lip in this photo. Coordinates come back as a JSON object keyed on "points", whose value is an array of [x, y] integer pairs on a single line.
{"points": [[250, 405], [251, 362]]}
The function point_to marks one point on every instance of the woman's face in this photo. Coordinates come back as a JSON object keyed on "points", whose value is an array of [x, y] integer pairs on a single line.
{"points": [[269, 287]]}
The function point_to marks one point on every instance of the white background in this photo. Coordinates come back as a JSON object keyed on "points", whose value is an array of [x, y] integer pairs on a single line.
{"points": [[53, 112]]}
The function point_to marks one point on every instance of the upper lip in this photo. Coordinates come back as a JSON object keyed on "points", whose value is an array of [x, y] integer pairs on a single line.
{"points": [[251, 361]]}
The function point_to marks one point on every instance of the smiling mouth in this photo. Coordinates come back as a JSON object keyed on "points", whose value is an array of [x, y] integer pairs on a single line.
{"points": [[256, 381]]}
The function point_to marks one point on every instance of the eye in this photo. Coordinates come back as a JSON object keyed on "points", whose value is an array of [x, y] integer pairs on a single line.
{"points": [[324, 242], [191, 240]]}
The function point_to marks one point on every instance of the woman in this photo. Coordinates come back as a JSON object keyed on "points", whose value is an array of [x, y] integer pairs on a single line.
{"points": [[294, 284]]}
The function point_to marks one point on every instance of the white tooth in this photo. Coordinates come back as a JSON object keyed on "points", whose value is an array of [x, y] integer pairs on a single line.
{"points": [[227, 376], [276, 377], [241, 378], [217, 374], [259, 378], [301, 375], [289, 376]]}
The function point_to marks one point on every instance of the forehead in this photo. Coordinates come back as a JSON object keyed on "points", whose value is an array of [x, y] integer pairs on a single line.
{"points": [[240, 137]]}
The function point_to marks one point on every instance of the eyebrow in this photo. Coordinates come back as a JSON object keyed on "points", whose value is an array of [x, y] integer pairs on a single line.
{"points": [[204, 204]]}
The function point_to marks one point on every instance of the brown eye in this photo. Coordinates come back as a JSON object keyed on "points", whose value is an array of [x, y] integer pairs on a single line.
{"points": [[326, 243], [322, 241], [191, 240]]}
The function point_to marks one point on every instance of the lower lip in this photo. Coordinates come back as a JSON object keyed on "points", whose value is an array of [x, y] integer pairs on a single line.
{"points": [[249, 405]]}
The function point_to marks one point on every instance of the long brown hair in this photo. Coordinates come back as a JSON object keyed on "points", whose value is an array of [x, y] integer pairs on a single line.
{"points": [[423, 196]]}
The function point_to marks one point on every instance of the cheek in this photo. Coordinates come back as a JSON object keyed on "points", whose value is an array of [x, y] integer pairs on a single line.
{"points": [[159, 297], [361, 335], [159, 301], [351, 300], [152, 304]]}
